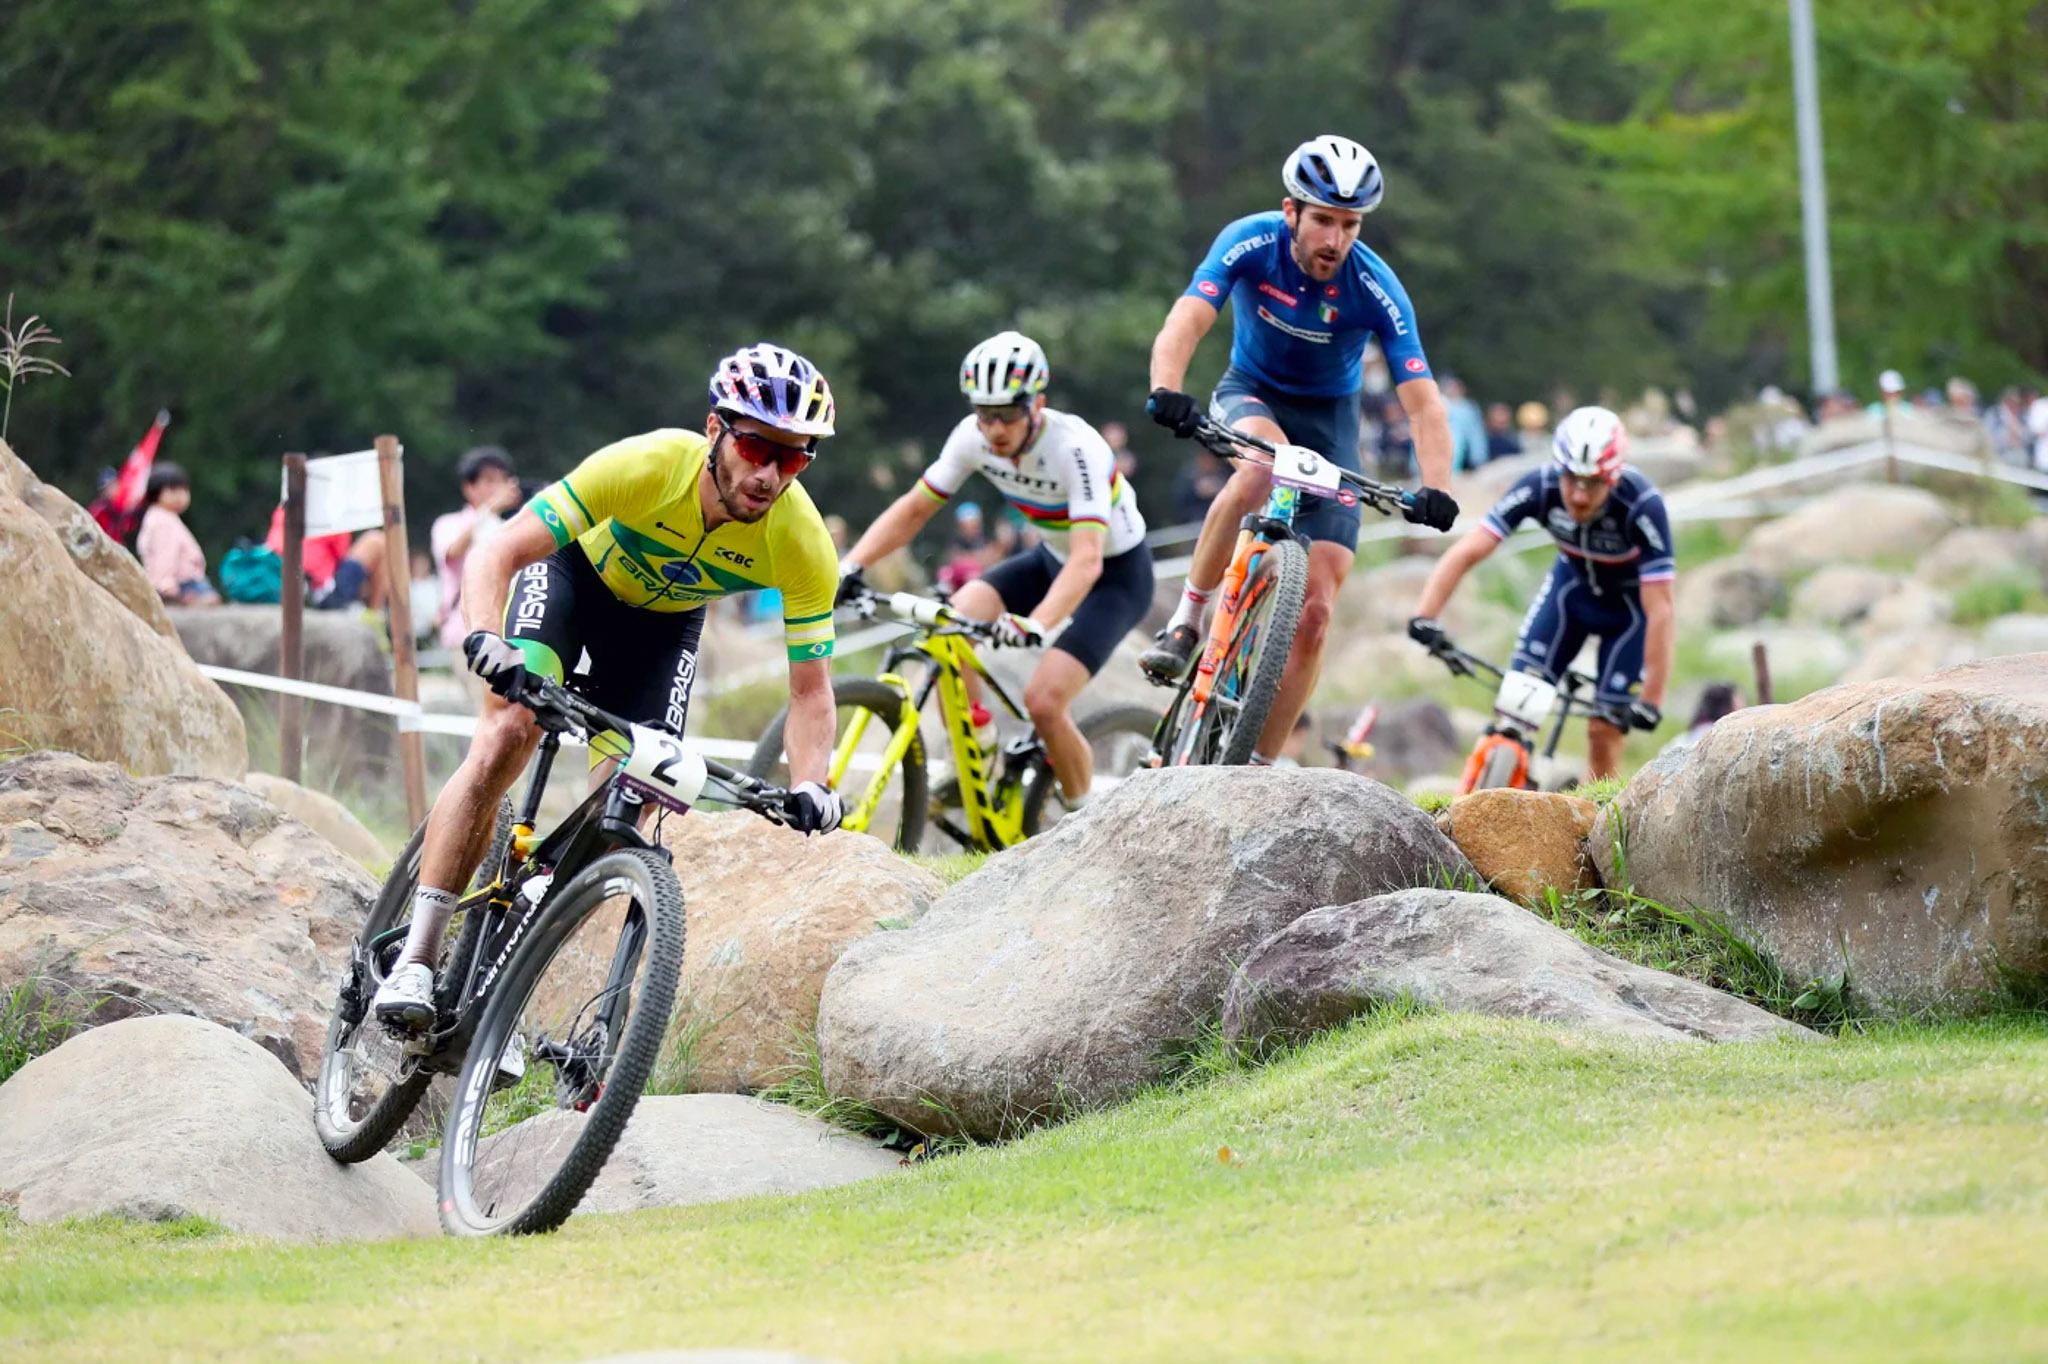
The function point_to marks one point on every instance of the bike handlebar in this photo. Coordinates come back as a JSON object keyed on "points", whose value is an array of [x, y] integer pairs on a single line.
{"points": [[1577, 688], [930, 612], [1230, 443], [557, 708]]}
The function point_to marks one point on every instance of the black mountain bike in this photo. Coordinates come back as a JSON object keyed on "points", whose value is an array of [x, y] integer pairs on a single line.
{"points": [[554, 994]]}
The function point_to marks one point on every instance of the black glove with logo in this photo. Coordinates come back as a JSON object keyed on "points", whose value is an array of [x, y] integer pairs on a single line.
{"points": [[1432, 507], [1644, 716], [1426, 631], [498, 662], [1175, 411]]}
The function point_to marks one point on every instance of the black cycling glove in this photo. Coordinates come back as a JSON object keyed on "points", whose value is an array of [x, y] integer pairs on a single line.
{"points": [[1426, 631], [1432, 507], [1175, 411], [1644, 716], [812, 809]]}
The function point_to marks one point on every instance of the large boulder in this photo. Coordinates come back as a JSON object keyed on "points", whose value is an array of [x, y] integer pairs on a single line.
{"points": [[1474, 954], [1840, 595], [2022, 633], [325, 816], [1054, 978], [693, 1148], [1897, 830], [163, 1118], [1524, 843], [769, 912], [344, 747], [1727, 594], [97, 556], [1913, 608], [1859, 523], [1976, 554], [173, 895], [1913, 654], [85, 669]]}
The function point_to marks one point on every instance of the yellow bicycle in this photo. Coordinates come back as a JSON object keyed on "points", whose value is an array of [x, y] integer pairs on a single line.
{"points": [[994, 796]]}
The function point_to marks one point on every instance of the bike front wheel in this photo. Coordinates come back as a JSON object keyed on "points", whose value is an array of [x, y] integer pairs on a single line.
{"points": [[898, 817], [577, 1003], [1255, 658]]}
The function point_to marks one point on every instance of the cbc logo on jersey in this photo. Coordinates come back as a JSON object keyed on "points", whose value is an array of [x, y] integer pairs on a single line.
{"points": [[1209, 289], [1415, 365]]}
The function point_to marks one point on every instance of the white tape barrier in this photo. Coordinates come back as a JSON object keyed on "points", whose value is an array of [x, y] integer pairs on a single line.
{"points": [[413, 720]]}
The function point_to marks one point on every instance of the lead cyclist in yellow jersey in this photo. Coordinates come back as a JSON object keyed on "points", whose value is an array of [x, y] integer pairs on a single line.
{"points": [[619, 559]]}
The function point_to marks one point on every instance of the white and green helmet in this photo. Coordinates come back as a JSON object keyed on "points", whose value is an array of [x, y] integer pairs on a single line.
{"points": [[1007, 368]]}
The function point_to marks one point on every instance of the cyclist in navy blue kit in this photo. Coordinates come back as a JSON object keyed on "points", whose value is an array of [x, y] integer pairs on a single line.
{"points": [[1612, 579], [1308, 295]]}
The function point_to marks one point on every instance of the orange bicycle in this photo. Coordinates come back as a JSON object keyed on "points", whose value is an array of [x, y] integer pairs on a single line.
{"points": [[1220, 706]]}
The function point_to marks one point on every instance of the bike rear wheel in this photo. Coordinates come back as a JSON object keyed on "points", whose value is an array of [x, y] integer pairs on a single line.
{"points": [[367, 1086], [1120, 737], [899, 818], [1255, 659], [586, 993]]}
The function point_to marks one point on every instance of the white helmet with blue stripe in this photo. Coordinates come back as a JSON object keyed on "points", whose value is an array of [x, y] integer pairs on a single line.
{"points": [[1334, 172]]}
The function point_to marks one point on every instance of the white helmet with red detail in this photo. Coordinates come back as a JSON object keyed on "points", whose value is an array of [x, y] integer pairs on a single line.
{"points": [[1592, 443]]}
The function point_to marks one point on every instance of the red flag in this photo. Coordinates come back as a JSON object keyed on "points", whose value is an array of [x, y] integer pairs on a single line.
{"points": [[134, 480]]}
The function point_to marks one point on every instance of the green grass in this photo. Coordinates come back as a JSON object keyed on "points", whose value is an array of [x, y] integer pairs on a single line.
{"points": [[950, 867], [1412, 1187], [37, 1015], [1986, 599]]}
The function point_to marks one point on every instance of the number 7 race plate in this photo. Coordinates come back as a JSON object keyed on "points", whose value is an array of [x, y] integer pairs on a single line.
{"points": [[661, 767]]}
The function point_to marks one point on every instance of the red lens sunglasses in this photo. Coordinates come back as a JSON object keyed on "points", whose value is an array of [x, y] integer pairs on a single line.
{"points": [[760, 451]]}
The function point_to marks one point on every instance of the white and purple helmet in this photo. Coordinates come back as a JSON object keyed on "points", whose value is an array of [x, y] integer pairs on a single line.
{"points": [[774, 385], [1592, 443]]}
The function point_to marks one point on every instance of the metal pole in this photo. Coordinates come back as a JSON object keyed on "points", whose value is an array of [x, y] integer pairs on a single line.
{"points": [[1813, 203]]}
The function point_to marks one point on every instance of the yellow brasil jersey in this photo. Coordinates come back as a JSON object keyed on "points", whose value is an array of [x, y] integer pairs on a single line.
{"points": [[635, 510]]}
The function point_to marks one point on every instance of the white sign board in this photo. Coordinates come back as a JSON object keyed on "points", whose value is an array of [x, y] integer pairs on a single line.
{"points": [[343, 493]]}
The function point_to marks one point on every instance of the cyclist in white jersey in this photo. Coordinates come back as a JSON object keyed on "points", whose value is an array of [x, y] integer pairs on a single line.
{"points": [[1092, 566]]}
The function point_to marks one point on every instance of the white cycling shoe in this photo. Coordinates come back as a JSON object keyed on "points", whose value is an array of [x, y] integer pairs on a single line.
{"points": [[406, 998], [511, 1064]]}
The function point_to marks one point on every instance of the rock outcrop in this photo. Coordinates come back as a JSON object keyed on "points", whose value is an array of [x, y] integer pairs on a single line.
{"points": [[174, 895], [1053, 978], [325, 816], [1858, 523], [694, 1148], [769, 912], [1524, 843], [83, 665], [348, 747], [1474, 954], [1897, 830], [164, 1118]]}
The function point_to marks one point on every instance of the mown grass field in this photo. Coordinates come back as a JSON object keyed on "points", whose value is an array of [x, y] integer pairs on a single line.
{"points": [[1413, 1187]]}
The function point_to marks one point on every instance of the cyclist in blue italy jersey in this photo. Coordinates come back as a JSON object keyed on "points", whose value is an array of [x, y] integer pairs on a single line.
{"points": [[1612, 579], [1308, 295]]}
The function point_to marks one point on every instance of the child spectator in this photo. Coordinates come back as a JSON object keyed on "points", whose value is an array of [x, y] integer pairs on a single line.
{"points": [[171, 557], [490, 493]]}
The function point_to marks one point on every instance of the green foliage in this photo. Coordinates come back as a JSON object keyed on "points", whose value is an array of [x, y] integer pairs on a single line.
{"points": [[801, 1086], [1984, 599], [1936, 165], [950, 868], [36, 1015]]}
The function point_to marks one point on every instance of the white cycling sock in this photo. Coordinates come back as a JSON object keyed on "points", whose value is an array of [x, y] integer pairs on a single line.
{"points": [[1259, 760], [1189, 612], [430, 912]]}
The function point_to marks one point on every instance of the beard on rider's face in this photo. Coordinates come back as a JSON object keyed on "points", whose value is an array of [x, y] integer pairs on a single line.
{"points": [[746, 491]]}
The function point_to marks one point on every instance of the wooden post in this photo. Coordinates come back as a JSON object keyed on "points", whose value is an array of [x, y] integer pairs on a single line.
{"points": [[291, 732], [1762, 663], [405, 665]]}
